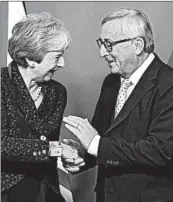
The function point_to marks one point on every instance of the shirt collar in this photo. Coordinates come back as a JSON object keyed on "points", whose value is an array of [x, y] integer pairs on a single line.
{"points": [[134, 78]]}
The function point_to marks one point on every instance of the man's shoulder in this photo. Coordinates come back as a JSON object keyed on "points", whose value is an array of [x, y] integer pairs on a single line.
{"points": [[165, 74], [164, 79]]}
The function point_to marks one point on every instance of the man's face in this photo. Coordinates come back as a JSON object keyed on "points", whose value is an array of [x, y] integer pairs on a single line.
{"points": [[122, 58]]}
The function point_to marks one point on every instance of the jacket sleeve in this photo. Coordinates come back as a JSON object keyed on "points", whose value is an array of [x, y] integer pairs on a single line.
{"points": [[22, 149], [19, 149], [97, 121], [155, 150]]}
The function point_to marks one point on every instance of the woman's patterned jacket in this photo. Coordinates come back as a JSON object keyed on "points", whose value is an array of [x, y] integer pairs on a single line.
{"points": [[25, 130]]}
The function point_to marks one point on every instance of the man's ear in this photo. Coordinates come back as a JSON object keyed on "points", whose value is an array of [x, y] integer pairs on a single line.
{"points": [[139, 45], [30, 63]]}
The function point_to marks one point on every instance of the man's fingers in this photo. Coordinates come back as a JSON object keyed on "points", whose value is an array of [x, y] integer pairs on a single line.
{"points": [[75, 121], [67, 141], [78, 161], [82, 164], [71, 142], [73, 130], [75, 118], [68, 160], [72, 169], [72, 161], [70, 122]]}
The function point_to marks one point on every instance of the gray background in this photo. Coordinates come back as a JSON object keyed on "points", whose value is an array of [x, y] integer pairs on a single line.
{"points": [[85, 70]]}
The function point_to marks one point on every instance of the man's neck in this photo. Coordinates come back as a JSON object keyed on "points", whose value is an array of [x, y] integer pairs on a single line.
{"points": [[142, 58]]}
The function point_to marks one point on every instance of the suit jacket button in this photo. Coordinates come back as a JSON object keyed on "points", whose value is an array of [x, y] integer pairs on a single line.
{"points": [[44, 152], [43, 138], [39, 153], [34, 153]]}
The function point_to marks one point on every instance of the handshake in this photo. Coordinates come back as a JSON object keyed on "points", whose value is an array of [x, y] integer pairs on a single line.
{"points": [[70, 152]]}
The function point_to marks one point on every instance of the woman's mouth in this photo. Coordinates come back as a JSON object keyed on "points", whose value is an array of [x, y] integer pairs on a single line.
{"points": [[52, 71]]}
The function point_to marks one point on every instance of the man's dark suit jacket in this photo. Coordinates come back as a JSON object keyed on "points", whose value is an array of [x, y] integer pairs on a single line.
{"points": [[135, 154]]}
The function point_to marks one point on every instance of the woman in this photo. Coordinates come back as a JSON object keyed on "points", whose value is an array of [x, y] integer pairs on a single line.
{"points": [[32, 109]]}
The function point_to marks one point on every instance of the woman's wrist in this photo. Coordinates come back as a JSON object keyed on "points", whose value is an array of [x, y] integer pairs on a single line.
{"points": [[55, 149]]}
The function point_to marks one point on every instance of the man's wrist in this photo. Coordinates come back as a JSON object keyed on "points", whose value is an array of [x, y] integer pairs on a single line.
{"points": [[93, 146], [55, 149]]}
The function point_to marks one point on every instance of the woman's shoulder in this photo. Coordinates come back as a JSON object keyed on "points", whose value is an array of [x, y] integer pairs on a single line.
{"points": [[4, 77], [58, 86], [4, 72]]}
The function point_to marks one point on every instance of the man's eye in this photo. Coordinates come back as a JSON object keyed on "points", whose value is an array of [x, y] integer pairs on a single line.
{"points": [[108, 44]]}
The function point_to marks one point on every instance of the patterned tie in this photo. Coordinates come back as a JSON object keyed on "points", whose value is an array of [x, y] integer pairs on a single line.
{"points": [[122, 95]]}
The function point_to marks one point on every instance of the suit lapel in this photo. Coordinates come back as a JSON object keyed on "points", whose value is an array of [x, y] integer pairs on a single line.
{"points": [[144, 85], [105, 107], [25, 108]]}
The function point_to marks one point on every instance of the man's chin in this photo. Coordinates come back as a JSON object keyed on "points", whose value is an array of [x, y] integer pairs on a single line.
{"points": [[113, 69]]}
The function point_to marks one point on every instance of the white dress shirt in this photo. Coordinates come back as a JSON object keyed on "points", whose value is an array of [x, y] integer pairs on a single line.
{"points": [[134, 78]]}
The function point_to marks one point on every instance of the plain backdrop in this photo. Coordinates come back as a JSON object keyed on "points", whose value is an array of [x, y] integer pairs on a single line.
{"points": [[85, 70]]}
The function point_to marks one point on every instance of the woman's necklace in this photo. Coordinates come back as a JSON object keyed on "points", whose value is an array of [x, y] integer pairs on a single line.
{"points": [[37, 95]]}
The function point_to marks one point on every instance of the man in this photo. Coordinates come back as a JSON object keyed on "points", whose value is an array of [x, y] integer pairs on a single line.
{"points": [[131, 136]]}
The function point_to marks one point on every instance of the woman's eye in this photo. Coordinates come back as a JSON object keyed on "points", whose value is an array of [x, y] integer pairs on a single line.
{"points": [[57, 58]]}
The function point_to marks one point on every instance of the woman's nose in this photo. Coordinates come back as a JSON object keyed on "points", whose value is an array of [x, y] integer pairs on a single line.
{"points": [[61, 62]]}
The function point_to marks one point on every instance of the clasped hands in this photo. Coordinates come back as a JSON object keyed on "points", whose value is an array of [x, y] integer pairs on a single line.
{"points": [[83, 130], [71, 150]]}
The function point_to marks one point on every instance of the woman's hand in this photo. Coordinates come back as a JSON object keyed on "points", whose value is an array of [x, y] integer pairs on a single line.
{"points": [[71, 155]]}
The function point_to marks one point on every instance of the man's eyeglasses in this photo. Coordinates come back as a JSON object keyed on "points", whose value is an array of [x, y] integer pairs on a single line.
{"points": [[108, 44]]}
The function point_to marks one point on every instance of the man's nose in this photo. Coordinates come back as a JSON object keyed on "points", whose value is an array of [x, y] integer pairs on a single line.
{"points": [[103, 51], [61, 62]]}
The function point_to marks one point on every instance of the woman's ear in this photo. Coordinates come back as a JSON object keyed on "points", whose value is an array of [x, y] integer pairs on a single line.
{"points": [[30, 63], [139, 45]]}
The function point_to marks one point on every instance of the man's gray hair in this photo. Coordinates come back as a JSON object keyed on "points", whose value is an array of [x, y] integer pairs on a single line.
{"points": [[35, 35], [134, 23]]}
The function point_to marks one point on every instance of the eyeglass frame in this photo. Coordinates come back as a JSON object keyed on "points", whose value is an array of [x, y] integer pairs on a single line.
{"points": [[100, 42]]}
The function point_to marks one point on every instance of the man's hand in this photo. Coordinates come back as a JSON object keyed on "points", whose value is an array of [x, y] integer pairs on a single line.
{"points": [[81, 128], [71, 155]]}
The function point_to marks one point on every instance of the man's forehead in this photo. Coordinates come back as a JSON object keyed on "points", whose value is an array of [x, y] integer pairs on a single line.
{"points": [[110, 29]]}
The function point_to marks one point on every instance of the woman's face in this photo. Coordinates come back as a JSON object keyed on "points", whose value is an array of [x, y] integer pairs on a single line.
{"points": [[51, 62]]}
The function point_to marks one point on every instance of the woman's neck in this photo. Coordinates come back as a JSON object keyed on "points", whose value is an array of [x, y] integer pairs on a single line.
{"points": [[32, 86], [28, 78]]}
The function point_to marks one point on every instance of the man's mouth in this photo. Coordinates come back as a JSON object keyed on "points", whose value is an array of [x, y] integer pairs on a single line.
{"points": [[110, 63]]}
